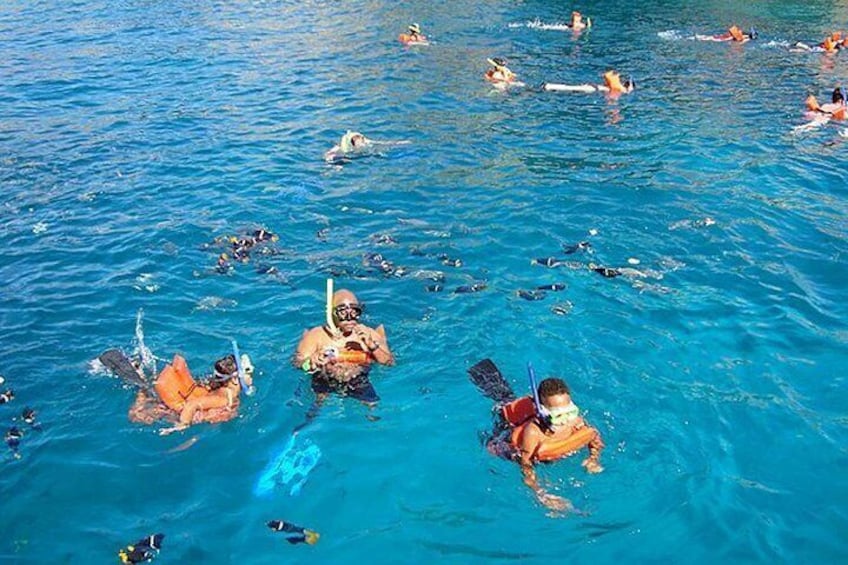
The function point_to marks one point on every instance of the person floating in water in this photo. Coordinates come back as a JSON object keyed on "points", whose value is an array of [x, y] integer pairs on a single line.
{"points": [[143, 550], [820, 114], [414, 37], [339, 355], [733, 34], [613, 86], [543, 427], [831, 44], [177, 397], [578, 23], [350, 143], [499, 73]]}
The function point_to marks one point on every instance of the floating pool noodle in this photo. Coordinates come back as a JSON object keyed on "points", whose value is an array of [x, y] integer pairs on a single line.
{"points": [[291, 465], [554, 87]]}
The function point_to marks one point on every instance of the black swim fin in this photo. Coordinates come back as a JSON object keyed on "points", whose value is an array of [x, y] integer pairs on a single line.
{"points": [[117, 363], [486, 376]]}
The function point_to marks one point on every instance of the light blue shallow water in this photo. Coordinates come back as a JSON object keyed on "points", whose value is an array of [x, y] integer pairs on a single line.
{"points": [[133, 133]]}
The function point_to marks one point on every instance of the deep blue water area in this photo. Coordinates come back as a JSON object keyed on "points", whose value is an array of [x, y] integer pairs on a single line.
{"points": [[133, 133]]}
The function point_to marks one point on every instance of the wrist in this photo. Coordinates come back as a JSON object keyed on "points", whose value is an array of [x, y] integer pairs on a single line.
{"points": [[374, 346]]}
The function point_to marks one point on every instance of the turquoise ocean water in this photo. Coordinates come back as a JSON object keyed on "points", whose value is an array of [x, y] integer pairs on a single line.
{"points": [[135, 132]]}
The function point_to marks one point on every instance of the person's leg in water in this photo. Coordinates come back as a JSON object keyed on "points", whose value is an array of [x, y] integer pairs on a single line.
{"points": [[362, 390], [322, 388]]}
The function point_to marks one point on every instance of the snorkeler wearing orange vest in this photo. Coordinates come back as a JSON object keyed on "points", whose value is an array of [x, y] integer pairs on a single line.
{"points": [[338, 355], [177, 397], [499, 73], [831, 44], [733, 34], [613, 86], [820, 114], [836, 109], [546, 426], [414, 37]]}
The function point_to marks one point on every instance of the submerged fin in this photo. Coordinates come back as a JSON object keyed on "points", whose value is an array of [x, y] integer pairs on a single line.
{"points": [[486, 376], [117, 362]]}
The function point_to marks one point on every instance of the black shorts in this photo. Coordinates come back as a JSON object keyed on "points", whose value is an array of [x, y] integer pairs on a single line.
{"points": [[359, 388]]}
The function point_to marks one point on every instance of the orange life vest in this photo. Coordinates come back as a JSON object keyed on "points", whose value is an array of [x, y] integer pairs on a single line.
{"points": [[613, 81], [519, 413], [354, 357], [736, 34], [175, 385]]}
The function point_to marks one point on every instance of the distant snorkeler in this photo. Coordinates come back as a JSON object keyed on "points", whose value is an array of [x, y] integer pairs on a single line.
{"points": [[294, 534], [612, 86], [578, 23], [499, 74], [820, 114], [732, 34], [143, 550], [354, 144], [831, 44], [414, 37]]}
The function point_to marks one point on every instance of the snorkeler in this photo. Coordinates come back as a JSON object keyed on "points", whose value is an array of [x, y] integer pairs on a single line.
{"points": [[350, 143], [546, 426], [414, 37], [499, 74], [339, 354], [578, 23], [820, 114], [612, 86], [733, 34], [831, 44], [176, 397]]}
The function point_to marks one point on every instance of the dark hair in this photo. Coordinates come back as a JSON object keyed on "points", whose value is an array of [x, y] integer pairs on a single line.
{"points": [[552, 387], [226, 365], [838, 95]]}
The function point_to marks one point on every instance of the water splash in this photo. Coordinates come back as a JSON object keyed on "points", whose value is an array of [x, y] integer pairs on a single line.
{"points": [[140, 350]]}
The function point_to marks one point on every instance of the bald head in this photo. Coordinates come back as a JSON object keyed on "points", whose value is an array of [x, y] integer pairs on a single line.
{"points": [[344, 296]]}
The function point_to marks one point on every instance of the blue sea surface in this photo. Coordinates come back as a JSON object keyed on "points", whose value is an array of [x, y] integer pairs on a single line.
{"points": [[133, 133]]}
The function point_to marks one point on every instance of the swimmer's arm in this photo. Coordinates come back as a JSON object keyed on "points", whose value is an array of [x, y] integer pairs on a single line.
{"points": [[376, 343], [305, 349], [528, 444], [217, 399]]}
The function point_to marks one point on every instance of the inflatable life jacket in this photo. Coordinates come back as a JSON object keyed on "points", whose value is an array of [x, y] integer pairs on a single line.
{"points": [[407, 38], [613, 81], [736, 33], [354, 357], [519, 413], [175, 385]]}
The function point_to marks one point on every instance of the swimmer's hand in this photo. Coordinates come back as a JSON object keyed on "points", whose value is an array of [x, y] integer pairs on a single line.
{"points": [[176, 428], [363, 335], [554, 502]]}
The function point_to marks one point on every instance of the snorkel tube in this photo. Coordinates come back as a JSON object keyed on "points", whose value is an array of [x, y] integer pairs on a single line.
{"points": [[329, 309], [248, 390], [541, 412]]}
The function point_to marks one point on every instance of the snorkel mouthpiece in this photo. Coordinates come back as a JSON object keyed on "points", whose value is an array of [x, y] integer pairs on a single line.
{"points": [[248, 390]]}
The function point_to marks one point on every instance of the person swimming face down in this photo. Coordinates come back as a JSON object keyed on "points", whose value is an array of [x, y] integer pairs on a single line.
{"points": [[346, 311]]}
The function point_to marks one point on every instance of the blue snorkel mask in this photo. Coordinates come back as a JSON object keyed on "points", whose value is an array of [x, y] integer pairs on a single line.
{"points": [[248, 390], [542, 412], [753, 33], [844, 95]]}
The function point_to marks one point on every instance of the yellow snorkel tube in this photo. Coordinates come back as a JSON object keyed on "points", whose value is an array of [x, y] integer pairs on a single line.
{"points": [[329, 310]]}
